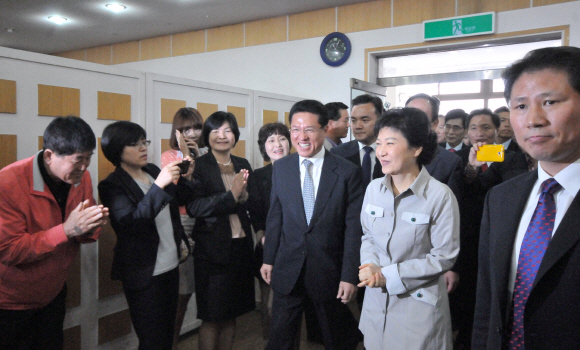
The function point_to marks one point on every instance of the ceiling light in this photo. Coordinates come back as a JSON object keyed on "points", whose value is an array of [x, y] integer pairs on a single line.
{"points": [[57, 19], [115, 7]]}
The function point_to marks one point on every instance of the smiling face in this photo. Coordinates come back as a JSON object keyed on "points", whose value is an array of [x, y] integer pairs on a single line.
{"points": [[362, 121], [69, 169], [545, 117], [481, 129], [277, 146], [222, 139], [394, 153], [307, 134]]}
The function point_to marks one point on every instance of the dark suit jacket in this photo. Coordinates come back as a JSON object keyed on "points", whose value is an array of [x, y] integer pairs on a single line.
{"points": [[513, 147], [211, 206], [132, 216], [351, 151], [551, 320], [448, 169], [259, 188], [330, 245], [514, 164]]}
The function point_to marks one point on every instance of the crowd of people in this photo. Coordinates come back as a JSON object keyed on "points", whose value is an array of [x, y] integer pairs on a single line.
{"points": [[401, 238]]}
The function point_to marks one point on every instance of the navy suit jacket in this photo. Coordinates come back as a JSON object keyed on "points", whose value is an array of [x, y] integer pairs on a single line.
{"points": [[351, 152], [551, 320], [330, 246], [447, 168]]}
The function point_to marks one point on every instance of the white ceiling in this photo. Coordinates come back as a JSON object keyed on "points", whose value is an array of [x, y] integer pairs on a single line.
{"points": [[90, 24]]}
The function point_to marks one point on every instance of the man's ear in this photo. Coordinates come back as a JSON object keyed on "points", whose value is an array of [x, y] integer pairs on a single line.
{"points": [[48, 155]]}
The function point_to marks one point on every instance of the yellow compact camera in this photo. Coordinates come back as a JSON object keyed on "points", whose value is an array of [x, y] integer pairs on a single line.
{"points": [[491, 153]]}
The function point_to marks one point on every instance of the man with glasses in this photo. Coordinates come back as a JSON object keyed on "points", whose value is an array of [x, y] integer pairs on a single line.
{"points": [[313, 235], [48, 210], [454, 130]]}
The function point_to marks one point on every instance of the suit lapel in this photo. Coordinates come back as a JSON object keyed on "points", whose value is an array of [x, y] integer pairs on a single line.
{"points": [[327, 180], [502, 242], [134, 191], [215, 175], [291, 179], [565, 237]]}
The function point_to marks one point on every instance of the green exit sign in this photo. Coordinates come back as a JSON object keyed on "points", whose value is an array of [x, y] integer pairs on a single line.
{"points": [[483, 23]]}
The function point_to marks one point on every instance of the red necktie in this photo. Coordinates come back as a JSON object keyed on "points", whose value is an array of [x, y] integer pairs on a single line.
{"points": [[484, 167], [452, 150]]}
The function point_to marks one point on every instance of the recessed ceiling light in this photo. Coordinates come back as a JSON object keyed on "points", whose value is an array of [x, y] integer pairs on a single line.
{"points": [[57, 19], [115, 7]]}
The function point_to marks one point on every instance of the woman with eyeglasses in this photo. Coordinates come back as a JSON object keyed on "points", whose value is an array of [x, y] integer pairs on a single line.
{"points": [[223, 251], [185, 141], [143, 206]]}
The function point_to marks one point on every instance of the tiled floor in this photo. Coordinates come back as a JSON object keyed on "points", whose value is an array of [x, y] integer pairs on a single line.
{"points": [[248, 336]]}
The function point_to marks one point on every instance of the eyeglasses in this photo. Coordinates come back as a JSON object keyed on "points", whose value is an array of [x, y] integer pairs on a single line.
{"points": [[307, 131], [453, 127], [142, 143]]}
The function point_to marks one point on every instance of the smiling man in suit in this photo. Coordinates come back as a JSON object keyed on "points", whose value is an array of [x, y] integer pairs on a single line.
{"points": [[313, 235], [529, 268]]}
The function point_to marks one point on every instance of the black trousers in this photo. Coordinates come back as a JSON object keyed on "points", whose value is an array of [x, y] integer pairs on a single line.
{"points": [[153, 310], [337, 324], [35, 329]]}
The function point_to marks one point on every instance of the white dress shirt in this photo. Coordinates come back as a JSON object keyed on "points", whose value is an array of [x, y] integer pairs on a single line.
{"points": [[373, 155], [568, 178], [456, 148], [316, 169]]}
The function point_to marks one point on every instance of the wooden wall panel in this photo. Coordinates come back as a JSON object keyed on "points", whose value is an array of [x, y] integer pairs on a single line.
{"points": [[188, 43], [287, 119], [114, 326], [101, 54], [165, 145], [364, 16], [549, 2], [240, 114], [240, 149], [168, 109], [72, 338], [56, 101], [7, 96], [8, 147], [73, 283], [40, 142], [269, 116], [153, 48], [266, 31], [468, 7], [206, 109], [113, 106], [311, 24], [227, 37], [126, 52], [75, 55], [407, 12]]}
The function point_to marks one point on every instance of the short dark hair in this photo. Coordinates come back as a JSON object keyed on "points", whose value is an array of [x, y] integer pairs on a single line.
{"points": [[268, 130], [215, 121], [184, 119], [456, 114], [415, 127], [310, 106], [374, 100], [485, 111], [501, 109], [68, 135], [564, 59], [119, 135], [433, 101], [334, 108]]}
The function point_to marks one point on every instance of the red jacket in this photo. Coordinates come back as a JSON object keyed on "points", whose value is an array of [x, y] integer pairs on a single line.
{"points": [[35, 253]]}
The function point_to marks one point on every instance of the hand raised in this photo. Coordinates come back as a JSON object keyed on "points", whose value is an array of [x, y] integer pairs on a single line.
{"points": [[239, 184], [84, 219], [473, 162], [168, 174]]}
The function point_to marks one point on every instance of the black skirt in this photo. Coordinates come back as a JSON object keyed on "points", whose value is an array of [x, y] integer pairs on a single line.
{"points": [[225, 292]]}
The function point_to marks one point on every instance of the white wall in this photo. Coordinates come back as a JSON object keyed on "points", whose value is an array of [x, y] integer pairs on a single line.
{"points": [[295, 68]]}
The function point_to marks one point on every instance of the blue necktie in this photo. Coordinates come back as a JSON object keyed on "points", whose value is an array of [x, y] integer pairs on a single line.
{"points": [[534, 246], [366, 166], [308, 191]]}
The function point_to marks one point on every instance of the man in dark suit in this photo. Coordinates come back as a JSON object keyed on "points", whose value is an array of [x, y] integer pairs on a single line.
{"points": [[505, 133], [529, 268], [366, 109], [313, 235], [454, 130]]}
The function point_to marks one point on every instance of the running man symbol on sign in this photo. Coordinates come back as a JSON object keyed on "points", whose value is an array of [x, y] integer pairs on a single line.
{"points": [[457, 27]]}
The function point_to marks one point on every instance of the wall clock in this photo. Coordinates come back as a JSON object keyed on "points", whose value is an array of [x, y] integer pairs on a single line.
{"points": [[335, 49]]}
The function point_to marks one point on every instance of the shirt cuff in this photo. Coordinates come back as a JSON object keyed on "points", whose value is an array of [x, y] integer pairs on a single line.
{"points": [[394, 284]]}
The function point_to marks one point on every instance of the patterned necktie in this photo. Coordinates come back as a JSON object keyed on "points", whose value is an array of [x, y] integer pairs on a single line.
{"points": [[532, 251], [366, 166], [308, 191]]}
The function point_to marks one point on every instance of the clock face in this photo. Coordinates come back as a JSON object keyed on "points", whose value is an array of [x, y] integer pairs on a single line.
{"points": [[335, 49]]}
